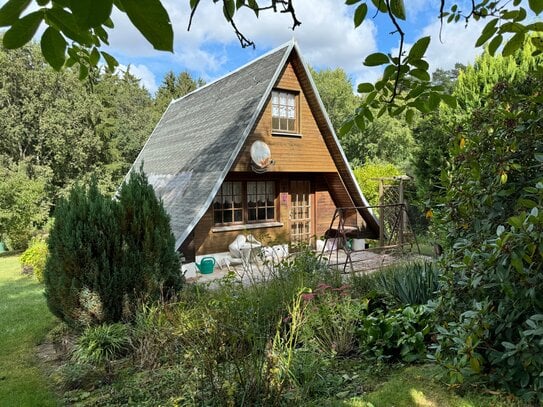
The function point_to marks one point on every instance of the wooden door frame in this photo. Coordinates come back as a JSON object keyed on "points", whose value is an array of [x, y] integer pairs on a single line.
{"points": [[312, 212]]}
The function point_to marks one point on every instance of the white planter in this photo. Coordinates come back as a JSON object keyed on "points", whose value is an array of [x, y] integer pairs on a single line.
{"points": [[358, 244], [333, 243]]}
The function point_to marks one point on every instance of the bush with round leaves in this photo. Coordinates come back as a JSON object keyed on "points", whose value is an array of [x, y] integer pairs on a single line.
{"points": [[491, 306]]}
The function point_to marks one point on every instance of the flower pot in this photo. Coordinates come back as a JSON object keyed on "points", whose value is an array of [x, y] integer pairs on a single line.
{"points": [[358, 244]]}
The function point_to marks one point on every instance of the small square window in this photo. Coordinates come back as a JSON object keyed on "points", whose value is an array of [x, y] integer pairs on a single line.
{"points": [[284, 111]]}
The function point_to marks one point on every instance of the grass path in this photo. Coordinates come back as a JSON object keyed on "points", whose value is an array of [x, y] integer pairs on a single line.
{"points": [[24, 320]]}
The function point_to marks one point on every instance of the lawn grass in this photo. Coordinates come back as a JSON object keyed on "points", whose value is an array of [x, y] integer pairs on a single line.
{"points": [[24, 321], [417, 386]]}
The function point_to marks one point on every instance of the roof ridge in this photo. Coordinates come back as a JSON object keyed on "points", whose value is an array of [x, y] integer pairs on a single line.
{"points": [[285, 45]]}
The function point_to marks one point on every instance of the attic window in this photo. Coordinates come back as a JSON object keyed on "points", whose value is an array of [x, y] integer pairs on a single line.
{"points": [[284, 111]]}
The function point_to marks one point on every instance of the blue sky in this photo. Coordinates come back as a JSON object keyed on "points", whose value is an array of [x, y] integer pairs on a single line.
{"points": [[327, 39]]}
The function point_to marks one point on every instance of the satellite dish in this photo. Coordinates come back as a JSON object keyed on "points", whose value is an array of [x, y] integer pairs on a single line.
{"points": [[261, 155]]}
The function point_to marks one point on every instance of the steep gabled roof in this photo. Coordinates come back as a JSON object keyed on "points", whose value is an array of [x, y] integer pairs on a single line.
{"points": [[200, 135]]}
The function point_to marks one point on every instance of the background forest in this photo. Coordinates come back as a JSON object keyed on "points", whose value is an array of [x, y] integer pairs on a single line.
{"points": [[57, 130]]}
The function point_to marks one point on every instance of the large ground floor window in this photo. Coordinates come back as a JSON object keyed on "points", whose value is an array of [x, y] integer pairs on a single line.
{"points": [[239, 202]]}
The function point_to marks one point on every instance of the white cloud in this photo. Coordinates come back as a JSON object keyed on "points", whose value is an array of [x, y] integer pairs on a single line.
{"points": [[458, 44], [327, 36], [142, 72]]}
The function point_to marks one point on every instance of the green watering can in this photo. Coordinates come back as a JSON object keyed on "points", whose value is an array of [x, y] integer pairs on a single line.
{"points": [[206, 266]]}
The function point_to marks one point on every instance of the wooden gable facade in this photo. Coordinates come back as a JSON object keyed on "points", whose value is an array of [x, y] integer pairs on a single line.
{"points": [[295, 199], [199, 159]]}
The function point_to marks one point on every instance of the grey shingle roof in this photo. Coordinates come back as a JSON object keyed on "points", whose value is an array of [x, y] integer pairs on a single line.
{"points": [[198, 138]]}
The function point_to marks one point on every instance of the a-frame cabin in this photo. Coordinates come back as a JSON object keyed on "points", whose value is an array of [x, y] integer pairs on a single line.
{"points": [[252, 152]]}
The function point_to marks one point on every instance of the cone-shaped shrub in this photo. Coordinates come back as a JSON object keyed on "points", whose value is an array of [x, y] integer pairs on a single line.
{"points": [[150, 261], [84, 254], [106, 256]]}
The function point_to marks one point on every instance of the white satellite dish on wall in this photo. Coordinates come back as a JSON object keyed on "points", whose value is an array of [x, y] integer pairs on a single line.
{"points": [[260, 156]]}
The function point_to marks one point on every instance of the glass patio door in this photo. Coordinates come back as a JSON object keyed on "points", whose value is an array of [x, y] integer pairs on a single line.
{"points": [[300, 211]]}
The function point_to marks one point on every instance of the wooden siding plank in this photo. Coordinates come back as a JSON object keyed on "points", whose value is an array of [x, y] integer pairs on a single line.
{"points": [[307, 153]]}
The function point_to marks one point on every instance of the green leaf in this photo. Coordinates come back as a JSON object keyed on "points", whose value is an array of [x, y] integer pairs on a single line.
{"points": [[360, 14], [398, 111], [536, 6], [389, 71], [119, 5], [535, 26], [513, 44], [70, 62], [351, 2], [65, 22], [494, 44], [512, 27], [398, 8], [83, 72], [420, 63], [416, 91], [376, 59], [102, 34], [23, 30], [10, 12], [420, 74], [91, 13], [475, 366], [108, 23], [489, 30], [346, 127], [420, 105], [365, 88], [369, 115], [517, 263], [360, 120], [370, 97], [382, 111], [381, 5], [53, 47], [419, 48], [449, 100], [409, 116], [253, 5], [110, 61], [152, 20], [510, 14], [94, 57], [537, 42], [229, 8], [433, 100]]}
